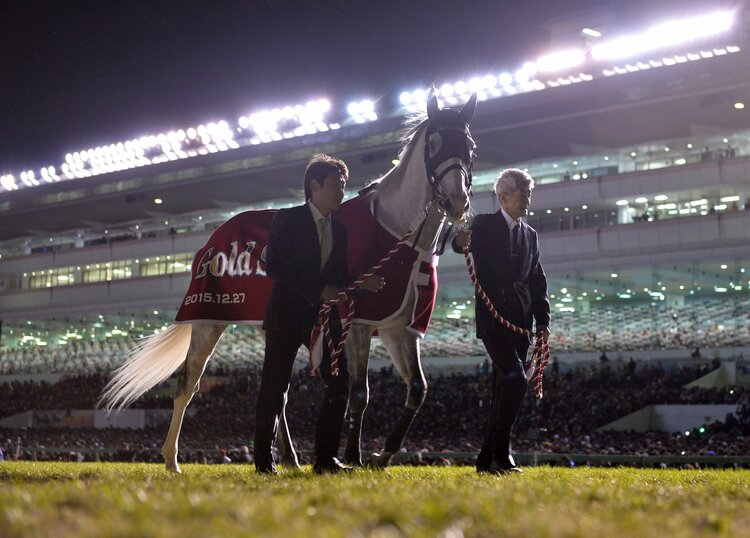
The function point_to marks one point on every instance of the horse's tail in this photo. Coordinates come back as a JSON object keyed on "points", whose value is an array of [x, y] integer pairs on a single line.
{"points": [[149, 363]]}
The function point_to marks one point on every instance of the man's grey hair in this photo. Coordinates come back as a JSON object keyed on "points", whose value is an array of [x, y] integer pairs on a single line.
{"points": [[512, 180]]}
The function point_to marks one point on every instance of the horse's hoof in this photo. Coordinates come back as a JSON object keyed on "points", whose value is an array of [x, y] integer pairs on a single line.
{"points": [[174, 468], [380, 460], [354, 462], [171, 463]]}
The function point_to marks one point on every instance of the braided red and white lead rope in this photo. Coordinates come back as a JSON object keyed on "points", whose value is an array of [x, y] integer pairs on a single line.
{"points": [[540, 355], [346, 294]]}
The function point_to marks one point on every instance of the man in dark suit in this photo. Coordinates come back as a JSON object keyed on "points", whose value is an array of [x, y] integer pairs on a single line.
{"points": [[506, 259], [306, 257]]}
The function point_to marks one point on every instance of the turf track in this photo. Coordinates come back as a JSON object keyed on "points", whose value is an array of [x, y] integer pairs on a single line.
{"points": [[91, 499]]}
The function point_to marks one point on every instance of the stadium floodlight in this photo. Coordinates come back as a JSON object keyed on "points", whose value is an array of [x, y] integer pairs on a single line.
{"points": [[419, 96], [526, 73], [8, 183], [362, 111], [664, 35], [488, 82], [261, 122], [560, 60], [446, 90]]}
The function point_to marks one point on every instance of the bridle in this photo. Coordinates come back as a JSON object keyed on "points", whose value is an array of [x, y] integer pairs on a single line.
{"points": [[444, 165], [436, 172]]}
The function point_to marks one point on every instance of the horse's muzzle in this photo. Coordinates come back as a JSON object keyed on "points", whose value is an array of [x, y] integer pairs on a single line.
{"points": [[455, 213]]}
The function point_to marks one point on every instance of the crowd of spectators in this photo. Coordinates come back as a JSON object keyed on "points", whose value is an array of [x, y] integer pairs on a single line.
{"points": [[576, 403]]}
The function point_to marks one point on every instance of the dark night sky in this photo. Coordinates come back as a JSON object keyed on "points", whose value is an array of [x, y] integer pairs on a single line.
{"points": [[76, 74]]}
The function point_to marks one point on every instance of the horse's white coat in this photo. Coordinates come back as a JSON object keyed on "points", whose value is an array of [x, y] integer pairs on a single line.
{"points": [[402, 196]]}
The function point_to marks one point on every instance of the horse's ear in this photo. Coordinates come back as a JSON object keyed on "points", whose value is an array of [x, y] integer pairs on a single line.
{"points": [[467, 111], [432, 103]]}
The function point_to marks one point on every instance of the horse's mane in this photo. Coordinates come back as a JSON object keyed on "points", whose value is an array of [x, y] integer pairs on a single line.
{"points": [[412, 125]]}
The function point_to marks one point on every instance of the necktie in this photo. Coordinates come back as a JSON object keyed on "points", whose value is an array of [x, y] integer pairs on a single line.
{"points": [[325, 242], [514, 244]]}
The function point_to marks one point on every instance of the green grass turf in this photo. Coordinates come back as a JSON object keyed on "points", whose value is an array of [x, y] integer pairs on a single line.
{"points": [[91, 499]]}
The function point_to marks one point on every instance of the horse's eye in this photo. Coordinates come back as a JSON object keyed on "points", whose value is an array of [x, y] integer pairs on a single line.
{"points": [[434, 144]]}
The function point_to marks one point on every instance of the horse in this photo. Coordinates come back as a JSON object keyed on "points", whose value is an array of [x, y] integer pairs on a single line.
{"points": [[430, 184]]}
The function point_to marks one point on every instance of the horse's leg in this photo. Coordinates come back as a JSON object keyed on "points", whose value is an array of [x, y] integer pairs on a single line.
{"points": [[202, 343], [403, 347], [357, 355], [287, 454]]}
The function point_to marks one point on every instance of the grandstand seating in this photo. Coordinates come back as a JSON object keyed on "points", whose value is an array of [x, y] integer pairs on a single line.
{"points": [[707, 323]]}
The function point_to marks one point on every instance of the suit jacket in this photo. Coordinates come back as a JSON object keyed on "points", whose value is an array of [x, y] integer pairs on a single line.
{"points": [[517, 288], [293, 261]]}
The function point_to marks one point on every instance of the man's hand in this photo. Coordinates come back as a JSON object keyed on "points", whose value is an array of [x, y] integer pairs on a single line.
{"points": [[543, 331], [328, 293], [373, 283], [463, 238]]}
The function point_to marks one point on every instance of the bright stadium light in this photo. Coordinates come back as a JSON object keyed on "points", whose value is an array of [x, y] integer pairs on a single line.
{"points": [[8, 182], [420, 96], [405, 98], [362, 111], [446, 90], [664, 35], [590, 32], [560, 60], [461, 87], [261, 122]]}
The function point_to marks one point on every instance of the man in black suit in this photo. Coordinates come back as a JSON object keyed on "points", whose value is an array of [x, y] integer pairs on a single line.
{"points": [[306, 257], [506, 259]]}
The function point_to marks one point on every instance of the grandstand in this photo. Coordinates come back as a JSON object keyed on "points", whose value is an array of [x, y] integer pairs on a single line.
{"points": [[642, 163]]}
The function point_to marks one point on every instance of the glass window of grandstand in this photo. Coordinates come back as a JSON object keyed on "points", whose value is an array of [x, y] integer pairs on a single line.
{"points": [[52, 277], [101, 272], [166, 265]]}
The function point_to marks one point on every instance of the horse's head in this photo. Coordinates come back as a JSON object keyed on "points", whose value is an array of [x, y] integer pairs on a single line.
{"points": [[449, 155]]}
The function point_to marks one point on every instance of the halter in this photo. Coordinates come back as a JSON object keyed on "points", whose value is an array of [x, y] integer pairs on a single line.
{"points": [[434, 177]]}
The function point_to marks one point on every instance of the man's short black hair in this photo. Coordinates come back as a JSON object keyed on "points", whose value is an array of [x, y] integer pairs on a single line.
{"points": [[320, 167]]}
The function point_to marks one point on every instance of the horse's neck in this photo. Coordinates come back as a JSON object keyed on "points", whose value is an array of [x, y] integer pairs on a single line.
{"points": [[404, 191], [433, 223]]}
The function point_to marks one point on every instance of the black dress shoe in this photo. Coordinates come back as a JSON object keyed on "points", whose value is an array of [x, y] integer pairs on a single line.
{"points": [[331, 467], [506, 466], [495, 470]]}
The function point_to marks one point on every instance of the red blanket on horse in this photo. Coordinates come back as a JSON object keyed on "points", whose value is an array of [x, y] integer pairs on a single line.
{"points": [[229, 284]]}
